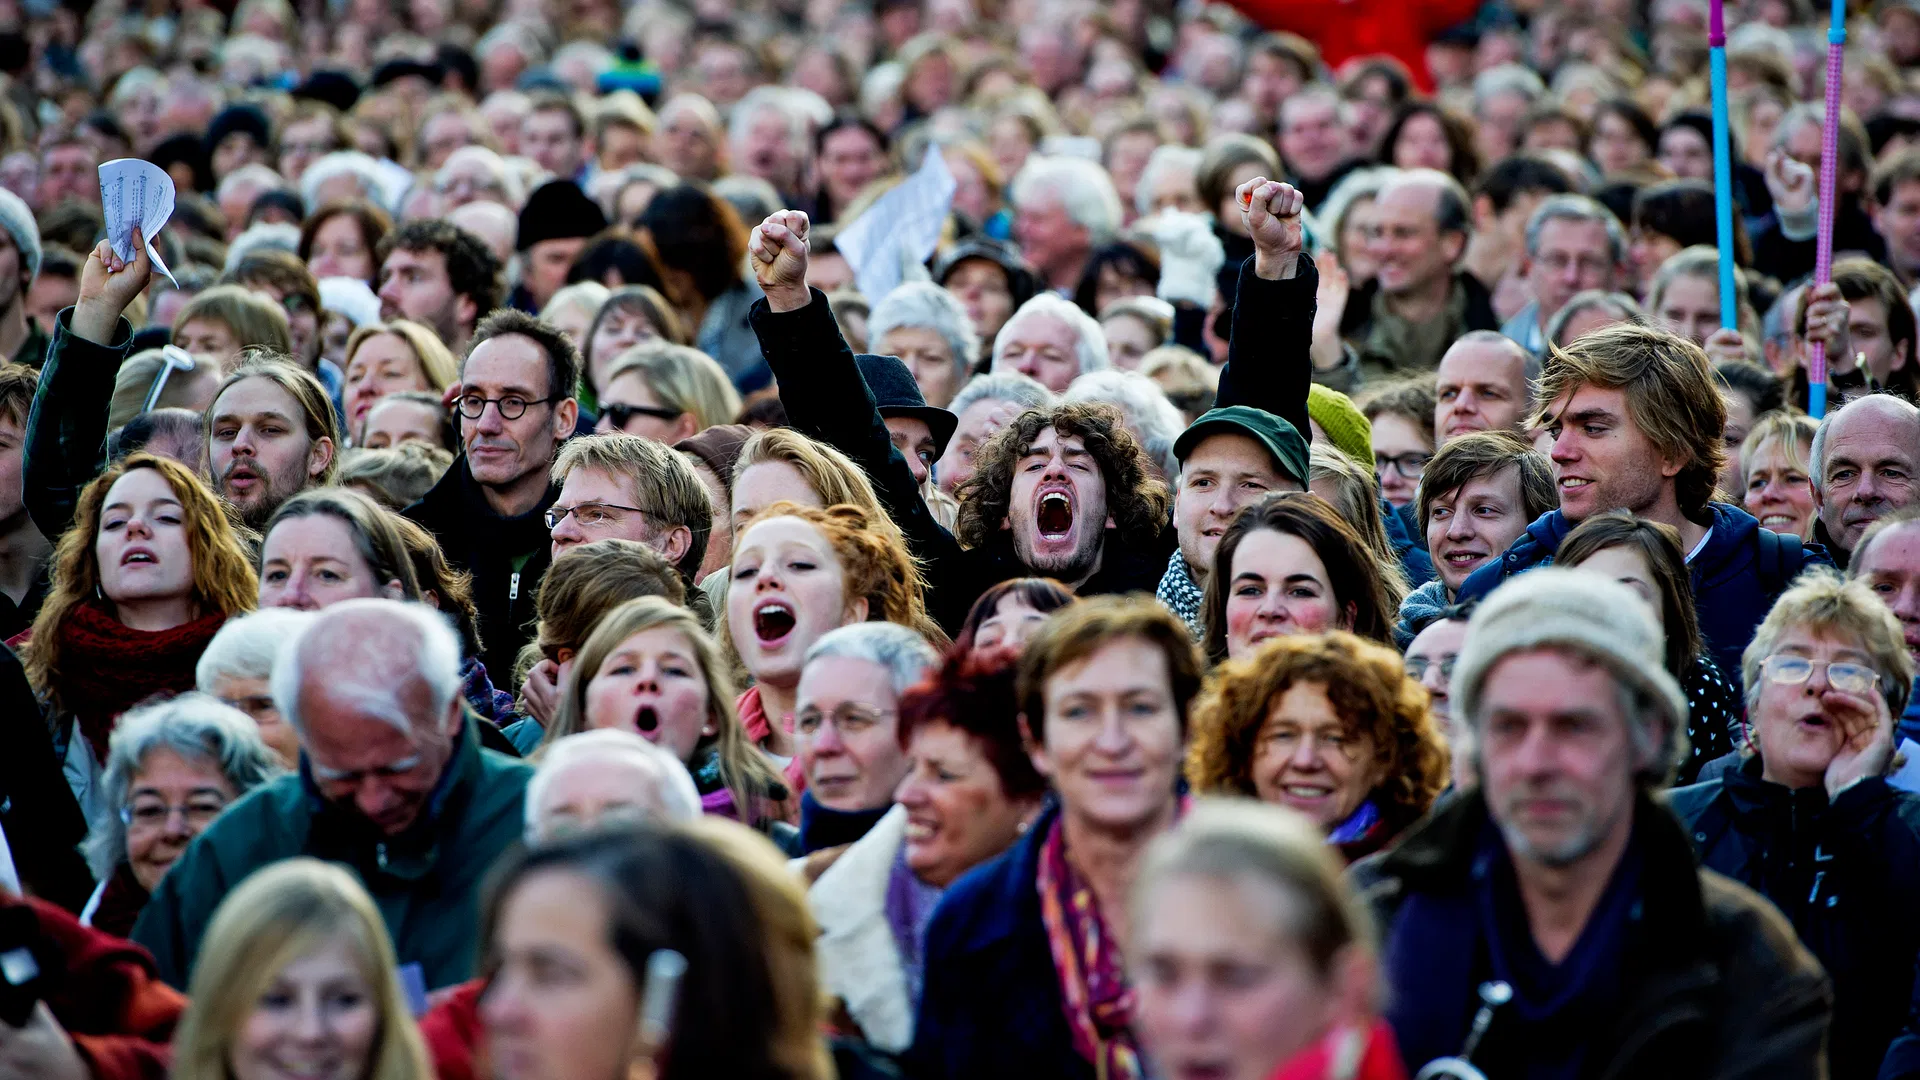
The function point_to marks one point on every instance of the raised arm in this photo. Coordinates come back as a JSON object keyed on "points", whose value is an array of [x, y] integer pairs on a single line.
{"points": [[1269, 361], [825, 396], [67, 426]]}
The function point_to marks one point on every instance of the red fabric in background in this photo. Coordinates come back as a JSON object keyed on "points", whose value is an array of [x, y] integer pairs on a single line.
{"points": [[1344, 29], [111, 1000]]}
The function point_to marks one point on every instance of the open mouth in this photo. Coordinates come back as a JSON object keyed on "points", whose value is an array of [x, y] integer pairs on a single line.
{"points": [[1815, 721], [772, 622], [139, 557], [1773, 521], [1573, 483], [646, 719], [1306, 792], [1463, 559], [920, 830], [1055, 516]]}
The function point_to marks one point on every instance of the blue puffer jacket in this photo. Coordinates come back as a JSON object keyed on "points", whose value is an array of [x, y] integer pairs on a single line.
{"points": [[1735, 580]]}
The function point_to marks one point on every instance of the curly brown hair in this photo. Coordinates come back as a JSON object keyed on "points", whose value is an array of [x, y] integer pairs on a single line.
{"points": [[1137, 500], [1369, 688]]}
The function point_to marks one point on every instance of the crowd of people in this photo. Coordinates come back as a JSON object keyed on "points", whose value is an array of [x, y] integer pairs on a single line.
{"points": [[957, 538]]}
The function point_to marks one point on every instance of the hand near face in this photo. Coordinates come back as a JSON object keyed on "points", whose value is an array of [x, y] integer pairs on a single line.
{"points": [[779, 251], [1866, 738], [1725, 345], [1271, 211], [1790, 182], [541, 691], [1827, 314]]}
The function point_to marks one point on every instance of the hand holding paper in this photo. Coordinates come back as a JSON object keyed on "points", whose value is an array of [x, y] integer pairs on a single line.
{"points": [[136, 194]]}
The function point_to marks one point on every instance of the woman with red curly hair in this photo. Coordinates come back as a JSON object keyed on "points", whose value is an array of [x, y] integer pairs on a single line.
{"points": [[798, 572], [1329, 725]]}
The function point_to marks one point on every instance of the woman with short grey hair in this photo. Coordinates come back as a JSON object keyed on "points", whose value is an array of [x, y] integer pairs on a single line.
{"points": [[171, 769], [927, 328], [237, 667]]}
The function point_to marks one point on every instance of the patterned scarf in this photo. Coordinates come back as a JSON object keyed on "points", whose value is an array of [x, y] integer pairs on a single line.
{"points": [[1093, 983], [108, 668], [1183, 597]]}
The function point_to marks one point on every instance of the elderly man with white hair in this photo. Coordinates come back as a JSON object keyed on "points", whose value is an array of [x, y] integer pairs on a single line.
{"points": [[927, 328], [344, 174], [1051, 341], [475, 173], [393, 784], [983, 407], [1864, 461], [602, 776], [1063, 208], [770, 135]]}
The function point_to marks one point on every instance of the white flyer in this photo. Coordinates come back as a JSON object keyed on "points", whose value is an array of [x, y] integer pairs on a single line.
{"points": [[900, 229], [136, 193]]}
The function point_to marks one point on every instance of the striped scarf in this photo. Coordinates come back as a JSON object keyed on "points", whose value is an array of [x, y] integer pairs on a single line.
{"points": [[1093, 983]]}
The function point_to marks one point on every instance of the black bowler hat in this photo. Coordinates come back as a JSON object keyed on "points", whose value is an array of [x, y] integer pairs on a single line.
{"points": [[897, 394], [558, 210]]}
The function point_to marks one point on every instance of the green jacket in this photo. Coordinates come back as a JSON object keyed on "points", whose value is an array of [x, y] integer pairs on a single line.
{"points": [[426, 881]]}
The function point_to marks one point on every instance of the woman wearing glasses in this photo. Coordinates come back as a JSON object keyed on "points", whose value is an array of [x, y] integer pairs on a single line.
{"points": [[1401, 415], [1808, 818], [666, 392], [172, 768]]}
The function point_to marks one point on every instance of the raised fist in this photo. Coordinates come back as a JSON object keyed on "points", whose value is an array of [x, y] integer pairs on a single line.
{"points": [[1272, 211], [779, 251]]}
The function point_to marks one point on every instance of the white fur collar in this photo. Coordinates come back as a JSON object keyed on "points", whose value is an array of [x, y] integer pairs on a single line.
{"points": [[859, 961]]}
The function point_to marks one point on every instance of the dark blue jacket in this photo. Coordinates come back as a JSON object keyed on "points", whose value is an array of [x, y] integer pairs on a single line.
{"points": [[1735, 580], [991, 1007], [1407, 543]]}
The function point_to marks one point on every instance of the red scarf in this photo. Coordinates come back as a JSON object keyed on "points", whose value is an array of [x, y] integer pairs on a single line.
{"points": [[108, 668], [1094, 991], [753, 718], [1348, 1055]]}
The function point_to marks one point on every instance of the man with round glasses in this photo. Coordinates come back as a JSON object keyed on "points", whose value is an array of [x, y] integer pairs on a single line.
{"points": [[1809, 819], [515, 408]]}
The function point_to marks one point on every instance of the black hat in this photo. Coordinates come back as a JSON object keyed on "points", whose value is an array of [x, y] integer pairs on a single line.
{"points": [[335, 88], [184, 149], [897, 394], [403, 67], [242, 119], [558, 210], [1288, 448]]}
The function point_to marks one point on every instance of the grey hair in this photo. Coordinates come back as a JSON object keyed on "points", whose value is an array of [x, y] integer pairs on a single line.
{"points": [[1083, 188], [261, 237], [417, 641], [1817, 454], [1143, 406], [779, 99], [255, 173], [510, 184], [751, 197], [1699, 261], [1008, 386], [196, 727], [1579, 208], [1092, 345], [1165, 158], [1309, 94], [1620, 304], [667, 780], [1353, 187], [903, 652], [247, 646], [340, 163], [922, 305], [1831, 602], [1507, 79]]}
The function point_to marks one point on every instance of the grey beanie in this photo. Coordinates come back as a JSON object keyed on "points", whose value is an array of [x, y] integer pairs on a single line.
{"points": [[1585, 612], [19, 223]]}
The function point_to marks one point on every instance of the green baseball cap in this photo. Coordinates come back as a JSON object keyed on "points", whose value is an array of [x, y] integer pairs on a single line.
{"points": [[1289, 450]]}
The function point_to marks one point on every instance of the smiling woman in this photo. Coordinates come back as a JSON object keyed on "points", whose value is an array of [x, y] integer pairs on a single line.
{"points": [[139, 585], [1291, 565]]}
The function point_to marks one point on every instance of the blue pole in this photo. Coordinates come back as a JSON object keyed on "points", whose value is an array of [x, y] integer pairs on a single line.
{"points": [[1723, 165]]}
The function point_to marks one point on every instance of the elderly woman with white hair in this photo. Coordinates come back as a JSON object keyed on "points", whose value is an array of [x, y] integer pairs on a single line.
{"points": [[171, 769], [1051, 341], [1808, 817], [1143, 406], [603, 776], [238, 666], [477, 174], [984, 406], [928, 329], [345, 175]]}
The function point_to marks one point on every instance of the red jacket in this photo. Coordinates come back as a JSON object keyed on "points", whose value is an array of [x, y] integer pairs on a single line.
{"points": [[1345, 29], [110, 1000], [451, 1029]]}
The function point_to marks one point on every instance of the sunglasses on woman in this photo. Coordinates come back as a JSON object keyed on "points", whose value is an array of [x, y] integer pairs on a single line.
{"points": [[620, 414]]}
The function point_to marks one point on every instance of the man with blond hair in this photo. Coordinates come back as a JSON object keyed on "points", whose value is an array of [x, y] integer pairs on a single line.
{"points": [[1637, 425], [624, 487]]}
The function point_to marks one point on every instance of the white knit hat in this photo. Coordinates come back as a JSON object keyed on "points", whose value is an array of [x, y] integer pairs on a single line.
{"points": [[18, 220], [1588, 613]]}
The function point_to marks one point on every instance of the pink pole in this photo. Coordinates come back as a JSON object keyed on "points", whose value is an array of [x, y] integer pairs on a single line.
{"points": [[1829, 166]]}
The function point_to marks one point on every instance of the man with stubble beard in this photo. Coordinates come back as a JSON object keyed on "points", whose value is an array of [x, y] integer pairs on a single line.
{"points": [[270, 435]]}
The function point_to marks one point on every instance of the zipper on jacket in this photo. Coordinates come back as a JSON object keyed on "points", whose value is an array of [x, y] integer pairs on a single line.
{"points": [[380, 854], [513, 587]]}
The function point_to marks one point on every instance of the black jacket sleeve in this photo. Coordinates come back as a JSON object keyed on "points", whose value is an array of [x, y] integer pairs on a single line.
{"points": [[67, 426], [826, 399], [1270, 355]]}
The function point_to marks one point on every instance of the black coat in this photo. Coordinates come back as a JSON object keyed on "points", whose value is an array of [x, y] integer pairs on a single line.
{"points": [[506, 556], [1845, 873], [43, 824]]}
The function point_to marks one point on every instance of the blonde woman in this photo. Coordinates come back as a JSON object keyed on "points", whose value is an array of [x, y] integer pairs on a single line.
{"points": [[649, 668], [296, 964], [387, 358], [666, 392]]}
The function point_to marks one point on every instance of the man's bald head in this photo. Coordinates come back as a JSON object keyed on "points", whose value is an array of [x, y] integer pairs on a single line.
{"points": [[1483, 384], [1864, 460]]}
